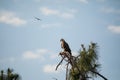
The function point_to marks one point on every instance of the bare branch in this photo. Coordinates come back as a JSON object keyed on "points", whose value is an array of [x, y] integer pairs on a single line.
{"points": [[59, 63]]}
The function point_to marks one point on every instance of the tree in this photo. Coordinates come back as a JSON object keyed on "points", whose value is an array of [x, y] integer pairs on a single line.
{"points": [[9, 75], [88, 64], [83, 66]]}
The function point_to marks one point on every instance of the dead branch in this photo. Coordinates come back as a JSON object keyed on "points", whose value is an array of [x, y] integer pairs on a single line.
{"points": [[67, 71], [60, 62], [70, 60]]}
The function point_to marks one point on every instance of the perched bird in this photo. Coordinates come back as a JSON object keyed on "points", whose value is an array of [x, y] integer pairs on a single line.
{"points": [[37, 18], [65, 46]]}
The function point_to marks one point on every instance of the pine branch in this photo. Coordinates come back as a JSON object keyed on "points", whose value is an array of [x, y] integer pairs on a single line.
{"points": [[99, 75]]}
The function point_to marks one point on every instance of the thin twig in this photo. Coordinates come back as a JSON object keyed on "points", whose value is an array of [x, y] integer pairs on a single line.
{"points": [[59, 63]]}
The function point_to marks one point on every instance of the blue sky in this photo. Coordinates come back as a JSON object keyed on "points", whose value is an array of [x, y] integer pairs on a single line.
{"points": [[31, 47]]}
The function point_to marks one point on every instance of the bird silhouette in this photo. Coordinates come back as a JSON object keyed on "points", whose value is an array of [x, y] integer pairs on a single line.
{"points": [[37, 18]]}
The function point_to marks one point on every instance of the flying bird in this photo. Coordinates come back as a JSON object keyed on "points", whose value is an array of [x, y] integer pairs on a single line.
{"points": [[37, 18]]}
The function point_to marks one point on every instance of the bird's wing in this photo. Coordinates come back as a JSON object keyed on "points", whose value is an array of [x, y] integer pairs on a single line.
{"points": [[37, 18]]}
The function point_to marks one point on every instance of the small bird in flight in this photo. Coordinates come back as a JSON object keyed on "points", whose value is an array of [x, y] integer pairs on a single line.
{"points": [[37, 18]]}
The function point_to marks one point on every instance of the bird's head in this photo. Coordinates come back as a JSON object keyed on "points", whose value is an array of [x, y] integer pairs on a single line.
{"points": [[61, 40]]}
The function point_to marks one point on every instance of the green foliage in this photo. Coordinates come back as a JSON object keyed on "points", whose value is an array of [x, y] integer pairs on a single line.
{"points": [[74, 74], [9, 75], [87, 62]]}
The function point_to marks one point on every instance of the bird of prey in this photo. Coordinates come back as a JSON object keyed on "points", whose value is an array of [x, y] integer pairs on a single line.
{"points": [[37, 18], [65, 46]]}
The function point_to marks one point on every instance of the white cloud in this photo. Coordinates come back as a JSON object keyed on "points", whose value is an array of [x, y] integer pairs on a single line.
{"points": [[30, 55], [37, 54], [84, 1], [114, 29], [54, 56], [51, 68], [75, 53], [11, 18], [47, 11], [42, 51], [67, 14], [110, 10]]}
